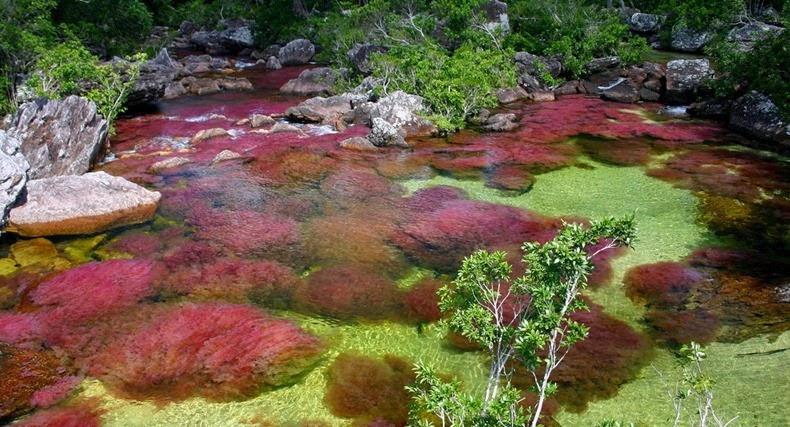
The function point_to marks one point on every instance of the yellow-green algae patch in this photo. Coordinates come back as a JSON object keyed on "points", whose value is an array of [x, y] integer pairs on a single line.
{"points": [[302, 401], [667, 229], [751, 383]]}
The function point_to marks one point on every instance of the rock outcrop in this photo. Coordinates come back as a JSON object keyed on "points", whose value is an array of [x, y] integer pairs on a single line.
{"points": [[312, 82], [400, 110], [756, 115], [384, 134], [644, 23], [685, 79], [85, 204], [685, 39], [296, 52], [320, 110], [59, 137], [360, 56], [13, 175]]}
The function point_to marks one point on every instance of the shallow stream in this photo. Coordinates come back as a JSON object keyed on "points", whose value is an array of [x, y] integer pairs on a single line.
{"points": [[350, 246]]}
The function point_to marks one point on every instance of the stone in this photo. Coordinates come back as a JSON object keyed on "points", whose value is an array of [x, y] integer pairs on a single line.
{"points": [[286, 127], [33, 251], [358, 143], [644, 23], [234, 83], [384, 134], [360, 56], [510, 95], [319, 109], [599, 65], [168, 163], [59, 137], [312, 82], [258, 120], [747, 34], [273, 63], [205, 134], [686, 39], [542, 96], [625, 92], [715, 109], [570, 87], [503, 122], [496, 17], [530, 83], [756, 115], [13, 175], [85, 204], [685, 79], [237, 38], [400, 110], [204, 86], [210, 41], [174, 90], [296, 52], [649, 95], [225, 155]]}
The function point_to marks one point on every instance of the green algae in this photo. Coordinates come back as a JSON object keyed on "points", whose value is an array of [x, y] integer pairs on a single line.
{"points": [[751, 383]]}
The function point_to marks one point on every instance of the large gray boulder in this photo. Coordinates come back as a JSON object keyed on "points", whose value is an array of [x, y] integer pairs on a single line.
{"points": [[321, 110], [59, 137], [685, 79], [86, 204], [296, 52], [400, 109], [748, 34], [237, 38], [312, 82], [496, 17], [756, 115], [644, 23], [384, 134], [155, 75], [13, 175], [685, 39]]}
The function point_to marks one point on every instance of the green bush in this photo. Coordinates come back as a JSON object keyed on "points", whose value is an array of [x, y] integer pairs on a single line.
{"points": [[765, 68], [455, 86], [577, 32], [107, 27]]}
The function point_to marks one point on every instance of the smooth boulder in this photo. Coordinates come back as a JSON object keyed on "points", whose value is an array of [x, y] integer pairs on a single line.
{"points": [[60, 136], [296, 52], [86, 204], [312, 82]]}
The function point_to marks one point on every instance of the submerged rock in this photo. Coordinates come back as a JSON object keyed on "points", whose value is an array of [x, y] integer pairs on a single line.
{"points": [[85, 204], [60, 136]]}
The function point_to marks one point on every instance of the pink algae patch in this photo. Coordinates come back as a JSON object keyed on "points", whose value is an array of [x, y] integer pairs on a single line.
{"points": [[349, 292], [247, 233], [86, 414], [54, 393], [440, 238], [662, 284], [220, 351]]}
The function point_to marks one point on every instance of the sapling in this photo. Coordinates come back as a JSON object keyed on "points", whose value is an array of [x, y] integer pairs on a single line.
{"points": [[526, 319], [696, 387]]}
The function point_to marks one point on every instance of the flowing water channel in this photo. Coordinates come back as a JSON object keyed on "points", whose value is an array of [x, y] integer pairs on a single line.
{"points": [[294, 283]]}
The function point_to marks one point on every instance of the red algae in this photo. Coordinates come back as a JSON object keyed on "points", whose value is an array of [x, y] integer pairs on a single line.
{"points": [[441, 238], [421, 302], [347, 292], [371, 390], [85, 414], [595, 367], [29, 378], [676, 328], [220, 351], [247, 233], [665, 284]]}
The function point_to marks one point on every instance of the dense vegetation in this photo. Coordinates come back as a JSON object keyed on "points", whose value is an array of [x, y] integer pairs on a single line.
{"points": [[430, 45]]}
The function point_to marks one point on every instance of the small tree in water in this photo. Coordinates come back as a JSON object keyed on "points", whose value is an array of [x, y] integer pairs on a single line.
{"points": [[526, 319]]}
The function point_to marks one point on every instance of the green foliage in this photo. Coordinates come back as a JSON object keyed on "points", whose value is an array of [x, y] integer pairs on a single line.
{"points": [[694, 387], [525, 318], [107, 27], [765, 68], [25, 29], [69, 69], [455, 86], [703, 14], [577, 32]]}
